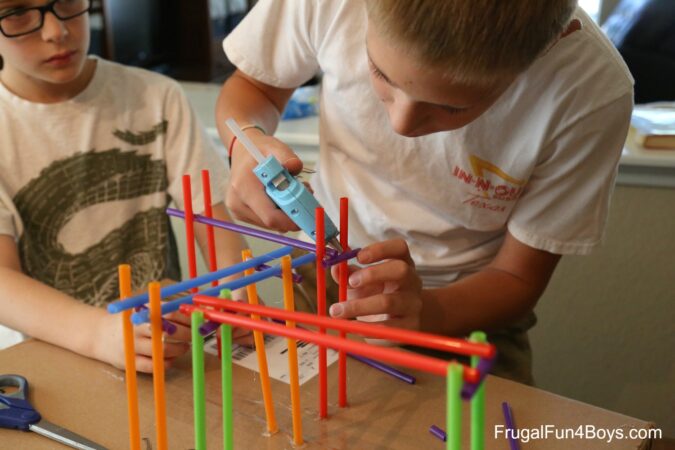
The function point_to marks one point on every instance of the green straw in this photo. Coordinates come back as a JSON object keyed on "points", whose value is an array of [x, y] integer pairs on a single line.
{"points": [[226, 370], [454, 407], [478, 402], [198, 381]]}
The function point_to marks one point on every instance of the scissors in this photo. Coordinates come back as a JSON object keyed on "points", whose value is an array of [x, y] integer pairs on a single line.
{"points": [[17, 412]]}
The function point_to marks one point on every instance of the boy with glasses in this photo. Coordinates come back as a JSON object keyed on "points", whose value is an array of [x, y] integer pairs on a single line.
{"points": [[92, 154]]}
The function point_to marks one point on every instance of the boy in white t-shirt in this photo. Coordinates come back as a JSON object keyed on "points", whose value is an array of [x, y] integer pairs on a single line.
{"points": [[476, 140], [92, 154]]}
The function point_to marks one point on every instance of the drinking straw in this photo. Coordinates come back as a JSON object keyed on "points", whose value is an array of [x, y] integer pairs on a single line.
{"points": [[289, 305], [297, 278], [390, 355], [321, 309], [158, 364], [384, 368], [438, 432], [226, 386], [418, 338], [344, 256], [343, 271], [208, 212], [124, 271], [510, 425], [259, 341], [454, 407], [483, 367], [198, 381], [478, 401], [189, 227], [167, 291], [173, 305], [268, 236]]}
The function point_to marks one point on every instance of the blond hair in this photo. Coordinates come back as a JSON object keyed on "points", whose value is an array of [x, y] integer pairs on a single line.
{"points": [[472, 40]]}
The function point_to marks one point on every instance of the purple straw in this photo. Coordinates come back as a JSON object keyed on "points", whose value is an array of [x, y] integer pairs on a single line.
{"points": [[167, 326], [508, 418], [297, 278], [341, 257], [484, 366], [438, 432], [330, 252], [208, 327], [385, 368]]}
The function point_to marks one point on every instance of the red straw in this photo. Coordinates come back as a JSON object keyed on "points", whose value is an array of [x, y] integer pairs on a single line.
{"points": [[321, 309], [387, 354], [343, 270], [189, 228], [208, 212], [417, 338]]}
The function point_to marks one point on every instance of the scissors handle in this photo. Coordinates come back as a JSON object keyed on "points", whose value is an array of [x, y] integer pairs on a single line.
{"points": [[15, 410]]}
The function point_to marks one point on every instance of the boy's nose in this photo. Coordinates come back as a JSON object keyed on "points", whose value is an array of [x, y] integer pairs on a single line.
{"points": [[53, 28], [405, 116]]}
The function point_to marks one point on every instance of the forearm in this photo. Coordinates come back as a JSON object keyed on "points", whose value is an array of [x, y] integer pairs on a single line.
{"points": [[485, 300], [45, 313], [249, 102]]}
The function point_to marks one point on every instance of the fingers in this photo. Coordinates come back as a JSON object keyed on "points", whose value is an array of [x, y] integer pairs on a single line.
{"points": [[392, 274], [396, 305], [380, 251]]}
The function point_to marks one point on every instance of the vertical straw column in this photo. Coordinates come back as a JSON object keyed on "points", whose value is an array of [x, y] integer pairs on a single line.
{"points": [[289, 305], [343, 270], [208, 212], [158, 364], [259, 341], [124, 271], [454, 407], [478, 401], [189, 228], [321, 308], [226, 386], [198, 380]]}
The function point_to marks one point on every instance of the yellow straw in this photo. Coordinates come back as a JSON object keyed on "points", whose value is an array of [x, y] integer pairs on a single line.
{"points": [[158, 364], [124, 271], [260, 352], [289, 305]]}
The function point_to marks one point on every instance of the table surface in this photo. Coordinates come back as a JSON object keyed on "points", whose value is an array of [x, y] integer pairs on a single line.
{"points": [[89, 398]]}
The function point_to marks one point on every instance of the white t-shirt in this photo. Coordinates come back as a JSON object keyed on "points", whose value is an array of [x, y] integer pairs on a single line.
{"points": [[541, 162], [84, 183]]}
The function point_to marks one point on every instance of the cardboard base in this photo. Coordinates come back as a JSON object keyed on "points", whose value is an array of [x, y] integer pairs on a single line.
{"points": [[89, 398]]}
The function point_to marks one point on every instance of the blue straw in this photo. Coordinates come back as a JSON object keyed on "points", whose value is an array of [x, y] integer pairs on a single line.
{"points": [[168, 307], [168, 291]]}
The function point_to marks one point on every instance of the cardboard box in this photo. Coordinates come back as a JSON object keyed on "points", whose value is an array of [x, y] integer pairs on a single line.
{"points": [[89, 398]]}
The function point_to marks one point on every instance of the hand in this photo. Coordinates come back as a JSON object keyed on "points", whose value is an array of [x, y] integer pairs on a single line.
{"points": [[109, 346], [246, 198], [390, 286]]}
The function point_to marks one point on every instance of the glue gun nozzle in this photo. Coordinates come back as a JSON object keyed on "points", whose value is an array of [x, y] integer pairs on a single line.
{"points": [[335, 243]]}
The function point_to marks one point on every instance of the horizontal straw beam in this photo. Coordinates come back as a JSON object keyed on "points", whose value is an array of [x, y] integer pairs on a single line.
{"points": [[168, 307], [273, 237], [344, 256], [418, 338], [393, 356], [173, 289]]}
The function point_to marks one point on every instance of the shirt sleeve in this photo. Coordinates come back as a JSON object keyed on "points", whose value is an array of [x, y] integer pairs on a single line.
{"points": [[276, 43], [189, 150], [565, 204]]}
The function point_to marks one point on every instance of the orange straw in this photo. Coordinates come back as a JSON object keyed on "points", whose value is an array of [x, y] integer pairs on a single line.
{"points": [[260, 352], [124, 271], [158, 364], [343, 271], [289, 305]]}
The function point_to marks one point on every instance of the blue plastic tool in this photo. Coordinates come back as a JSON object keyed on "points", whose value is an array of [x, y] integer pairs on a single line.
{"points": [[286, 191], [16, 412]]}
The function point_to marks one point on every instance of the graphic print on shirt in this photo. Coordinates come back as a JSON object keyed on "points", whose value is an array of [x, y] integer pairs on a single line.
{"points": [[70, 186], [490, 186]]}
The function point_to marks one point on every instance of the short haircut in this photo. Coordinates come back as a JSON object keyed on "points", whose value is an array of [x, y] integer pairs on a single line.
{"points": [[472, 41]]}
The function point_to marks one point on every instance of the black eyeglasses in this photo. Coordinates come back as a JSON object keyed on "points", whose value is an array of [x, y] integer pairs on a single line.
{"points": [[21, 21]]}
